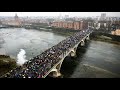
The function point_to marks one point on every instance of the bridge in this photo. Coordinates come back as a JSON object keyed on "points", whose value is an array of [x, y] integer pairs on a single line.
{"points": [[49, 62]]}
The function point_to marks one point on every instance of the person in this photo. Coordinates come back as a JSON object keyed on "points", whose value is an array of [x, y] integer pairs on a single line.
{"points": [[47, 59]]}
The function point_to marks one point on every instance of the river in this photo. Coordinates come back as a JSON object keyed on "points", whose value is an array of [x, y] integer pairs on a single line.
{"points": [[95, 60], [32, 41]]}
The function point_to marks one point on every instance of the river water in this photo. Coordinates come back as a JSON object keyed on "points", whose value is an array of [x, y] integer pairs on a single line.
{"points": [[95, 60], [32, 41]]}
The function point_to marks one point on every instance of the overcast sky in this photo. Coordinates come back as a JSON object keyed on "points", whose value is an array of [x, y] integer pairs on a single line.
{"points": [[59, 13]]}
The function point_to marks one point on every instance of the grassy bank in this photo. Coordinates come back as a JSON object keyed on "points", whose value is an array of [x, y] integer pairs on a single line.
{"points": [[105, 37], [60, 31], [6, 64]]}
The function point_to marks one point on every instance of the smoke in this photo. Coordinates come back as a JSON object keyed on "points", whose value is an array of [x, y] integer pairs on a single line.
{"points": [[21, 57]]}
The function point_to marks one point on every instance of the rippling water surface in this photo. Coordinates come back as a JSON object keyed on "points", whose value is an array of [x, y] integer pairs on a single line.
{"points": [[95, 60], [32, 41]]}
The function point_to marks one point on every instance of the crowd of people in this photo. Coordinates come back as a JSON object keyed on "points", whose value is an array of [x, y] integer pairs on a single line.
{"points": [[38, 66]]}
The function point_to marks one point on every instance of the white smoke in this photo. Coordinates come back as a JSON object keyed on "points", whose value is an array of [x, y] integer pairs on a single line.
{"points": [[21, 57]]}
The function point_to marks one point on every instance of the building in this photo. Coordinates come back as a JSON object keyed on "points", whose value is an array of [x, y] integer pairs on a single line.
{"points": [[85, 24], [60, 24], [13, 22], [65, 25], [66, 16], [103, 17], [70, 25], [76, 25]]}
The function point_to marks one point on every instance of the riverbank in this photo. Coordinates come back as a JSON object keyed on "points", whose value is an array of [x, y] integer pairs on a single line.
{"points": [[98, 36], [61, 31], [6, 64]]}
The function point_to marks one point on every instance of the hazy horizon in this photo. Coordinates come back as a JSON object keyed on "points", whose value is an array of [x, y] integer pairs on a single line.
{"points": [[71, 14]]}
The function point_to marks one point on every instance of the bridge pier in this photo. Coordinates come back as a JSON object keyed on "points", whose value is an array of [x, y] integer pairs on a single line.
{"points": [[88, 37], [56, 71], [82, 43], [73, 52]]}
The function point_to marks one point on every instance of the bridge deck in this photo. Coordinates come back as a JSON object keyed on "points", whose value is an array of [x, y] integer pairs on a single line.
{"points": [[41, 65], [63, 56]]}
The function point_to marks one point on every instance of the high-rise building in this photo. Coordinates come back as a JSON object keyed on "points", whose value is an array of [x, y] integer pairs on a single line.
{"points": [[66, 16], [16, 17], [14, 22], [103, 16]]}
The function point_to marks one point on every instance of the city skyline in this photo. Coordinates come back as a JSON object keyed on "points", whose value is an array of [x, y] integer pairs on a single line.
{"points": [[54, 14]]}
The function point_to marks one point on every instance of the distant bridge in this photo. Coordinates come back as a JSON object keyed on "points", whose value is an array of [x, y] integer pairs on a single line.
{"points": [[50, 61]]}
